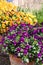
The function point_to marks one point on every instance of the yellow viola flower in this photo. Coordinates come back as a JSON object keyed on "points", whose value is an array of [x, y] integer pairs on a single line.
{"points": [[18, 15], [1, 30], [16, 19], [30, 15], [30, 21], [0, 17], [12, 12], [7, 17], [21, 13], [25, 19], [1, 12], [10, 6], [6, 22], [3, 17], [4, 30], [3, 25], [13, 18], [15, 8], [35, 20], [11, 23], [18, 22], [3, 22]]}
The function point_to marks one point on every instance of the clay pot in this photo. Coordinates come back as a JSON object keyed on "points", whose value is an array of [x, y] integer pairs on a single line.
{"points": [[17, 61]]}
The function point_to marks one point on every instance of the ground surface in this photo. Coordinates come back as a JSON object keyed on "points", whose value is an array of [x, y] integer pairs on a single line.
{"points": [[4, 60]]}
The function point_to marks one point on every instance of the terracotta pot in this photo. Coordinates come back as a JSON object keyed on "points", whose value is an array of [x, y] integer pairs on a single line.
{"points": [[17, 61]]}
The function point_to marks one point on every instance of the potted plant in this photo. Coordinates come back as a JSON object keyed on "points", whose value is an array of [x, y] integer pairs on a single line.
{"points": [[24, 43]]}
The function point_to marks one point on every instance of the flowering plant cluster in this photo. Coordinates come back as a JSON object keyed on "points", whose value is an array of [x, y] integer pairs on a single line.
{"points": [[25, 42], [5, 15], [21, 37], [9, 15]]}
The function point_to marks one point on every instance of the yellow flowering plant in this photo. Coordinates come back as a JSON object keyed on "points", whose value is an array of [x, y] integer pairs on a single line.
{"points": [[25, 17], [9, 15], [8, 6]]}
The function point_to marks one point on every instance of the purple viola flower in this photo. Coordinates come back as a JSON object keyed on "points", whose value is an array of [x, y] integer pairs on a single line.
{"points": [[38, 30], [36, 37], [25, 34], [25, 29], [12, 28], [5, 45], [34, 31], [31, 27], [16, 25], [19, 32], [18, 49], [42, 30], [28, 25], [2, 40], [10, 37], [40, 38], [39, 55], [23, 25], [42, 50], [22, 39], [13, 36], [41, 46], [28, 47], [25, 51], [40, 43], [15, 43], [28, 35]]}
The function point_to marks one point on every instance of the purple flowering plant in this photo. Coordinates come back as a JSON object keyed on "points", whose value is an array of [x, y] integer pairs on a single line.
{"points": [[25, 42]]}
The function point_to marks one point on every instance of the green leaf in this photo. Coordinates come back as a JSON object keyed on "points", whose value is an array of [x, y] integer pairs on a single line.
{"points": [[22, 45], [35, 42], [25, 59], [31, 39], [27, 40], [7, 41], [17, 38]]}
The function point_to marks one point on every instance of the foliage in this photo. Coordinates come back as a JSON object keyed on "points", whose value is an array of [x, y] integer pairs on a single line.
{"points": [[39, 15]]}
